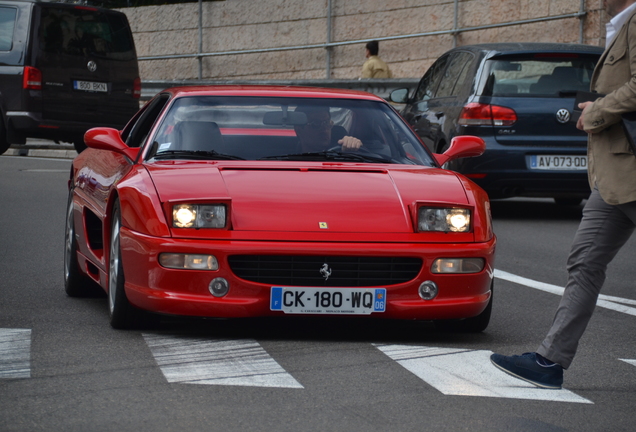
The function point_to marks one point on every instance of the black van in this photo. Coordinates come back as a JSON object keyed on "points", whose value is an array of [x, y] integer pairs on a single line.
{"points": [[63, 70]]}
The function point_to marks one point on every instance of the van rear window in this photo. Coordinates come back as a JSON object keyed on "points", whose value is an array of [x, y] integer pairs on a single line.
{"points": [[7, 24], [85, 32]]}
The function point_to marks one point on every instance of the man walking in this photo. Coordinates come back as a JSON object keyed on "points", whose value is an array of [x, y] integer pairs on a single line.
{"points": [[609, 216], [374, 66]]}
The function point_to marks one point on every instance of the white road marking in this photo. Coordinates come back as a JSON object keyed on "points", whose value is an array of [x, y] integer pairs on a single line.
{"points": [[464, 372], [617, 304], [189, 360], [631, 362], [15, 353]]}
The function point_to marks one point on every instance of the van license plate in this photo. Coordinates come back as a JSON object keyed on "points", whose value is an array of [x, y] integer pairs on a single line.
{"points": [[328, 301], [558, 162], [90, 86]]}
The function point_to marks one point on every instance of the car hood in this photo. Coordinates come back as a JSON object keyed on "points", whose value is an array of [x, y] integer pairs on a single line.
{"points": [[310, 198]]}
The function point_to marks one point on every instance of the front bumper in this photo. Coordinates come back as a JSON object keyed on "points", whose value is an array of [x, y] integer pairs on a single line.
{"points": [[185, 292]]}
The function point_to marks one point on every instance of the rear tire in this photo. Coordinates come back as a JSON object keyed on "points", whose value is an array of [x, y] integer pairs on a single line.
{"points": [[76, 283]]}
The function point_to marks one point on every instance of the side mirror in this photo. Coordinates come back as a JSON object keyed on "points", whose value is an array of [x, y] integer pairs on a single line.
{"points": [[399, 96], [461, 147], [109, 139]]}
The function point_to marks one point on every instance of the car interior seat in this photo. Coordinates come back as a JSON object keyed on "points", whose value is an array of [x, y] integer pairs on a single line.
{"points": [[198, 135], [562, 78]]}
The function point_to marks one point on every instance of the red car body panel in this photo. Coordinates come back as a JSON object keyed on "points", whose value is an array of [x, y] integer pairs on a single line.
{"points": [[276, 208]]}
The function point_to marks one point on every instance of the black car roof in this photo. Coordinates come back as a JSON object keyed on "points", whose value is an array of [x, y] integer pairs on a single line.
{"points": [[511, 48]]}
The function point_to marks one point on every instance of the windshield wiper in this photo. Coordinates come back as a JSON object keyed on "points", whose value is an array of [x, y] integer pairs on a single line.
{"points": [[195, 154], [329, 155]]}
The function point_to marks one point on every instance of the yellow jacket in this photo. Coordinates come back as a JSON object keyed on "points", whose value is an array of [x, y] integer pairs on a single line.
{"points": [[374, 67]]}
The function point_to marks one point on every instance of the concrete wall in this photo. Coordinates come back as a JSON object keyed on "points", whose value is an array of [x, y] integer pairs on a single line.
{"points": [[252, 24]]}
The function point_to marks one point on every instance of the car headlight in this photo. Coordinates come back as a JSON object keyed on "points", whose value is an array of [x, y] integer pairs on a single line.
{"points": [[443, 219], [199, 216]]}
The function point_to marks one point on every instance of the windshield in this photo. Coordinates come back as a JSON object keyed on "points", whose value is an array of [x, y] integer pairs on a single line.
{"points": [[263, 128]]}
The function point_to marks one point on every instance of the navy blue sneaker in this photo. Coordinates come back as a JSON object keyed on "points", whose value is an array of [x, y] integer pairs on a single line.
{"points": [[525, 367]]}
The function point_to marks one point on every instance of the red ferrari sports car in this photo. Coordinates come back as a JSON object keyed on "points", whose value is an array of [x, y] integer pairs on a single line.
{"points": [[253, 201]]}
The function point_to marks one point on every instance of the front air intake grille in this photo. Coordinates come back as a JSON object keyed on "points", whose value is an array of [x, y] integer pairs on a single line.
{"points": [[313, 271]]}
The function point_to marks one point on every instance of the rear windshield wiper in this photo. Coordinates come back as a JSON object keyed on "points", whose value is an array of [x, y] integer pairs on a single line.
{"points": [[330, 155], [195, 154]]}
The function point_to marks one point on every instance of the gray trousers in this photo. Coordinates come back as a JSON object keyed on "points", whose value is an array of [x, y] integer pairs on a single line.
{"points": [[604, 229]]}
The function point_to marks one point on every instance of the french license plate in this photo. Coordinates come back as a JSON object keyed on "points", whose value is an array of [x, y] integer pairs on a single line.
{"points": [[90, 86], [558, 162], [328, 301]]}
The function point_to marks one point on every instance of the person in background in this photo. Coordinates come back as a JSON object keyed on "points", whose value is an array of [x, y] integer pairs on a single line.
{"points": [[609, 216], [374, 67]]}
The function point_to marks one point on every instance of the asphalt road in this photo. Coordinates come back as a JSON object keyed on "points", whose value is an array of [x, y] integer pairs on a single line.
{"points": [[62, 368]]}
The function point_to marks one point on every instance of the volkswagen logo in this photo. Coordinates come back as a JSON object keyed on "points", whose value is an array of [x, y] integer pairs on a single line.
{"points": [[91, 66], [563, 115], [325, 271]]}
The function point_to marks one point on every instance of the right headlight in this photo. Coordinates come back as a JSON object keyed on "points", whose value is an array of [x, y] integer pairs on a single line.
{"points": [[443, 219], [199, 215]]}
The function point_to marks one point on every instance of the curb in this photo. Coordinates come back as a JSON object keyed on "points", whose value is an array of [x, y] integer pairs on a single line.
{"points": [[42, 148]]}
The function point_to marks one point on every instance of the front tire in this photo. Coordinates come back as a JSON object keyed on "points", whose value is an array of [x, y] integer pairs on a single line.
{"points": [[4, 142], [79, 145], [470, 325], [123, 315]]}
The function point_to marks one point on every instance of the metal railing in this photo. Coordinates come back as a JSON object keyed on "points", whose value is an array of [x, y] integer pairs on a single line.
{"points": [[328, 45]]}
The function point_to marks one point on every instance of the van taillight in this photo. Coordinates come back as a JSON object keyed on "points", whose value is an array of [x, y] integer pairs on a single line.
{"points": [[32, 78], [137, 88], [477, 114]]}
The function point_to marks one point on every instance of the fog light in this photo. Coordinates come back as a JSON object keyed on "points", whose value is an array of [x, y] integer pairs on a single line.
{"points": [[219, 287], [428, 290]]}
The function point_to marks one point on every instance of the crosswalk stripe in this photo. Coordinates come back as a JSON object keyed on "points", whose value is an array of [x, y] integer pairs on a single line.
{"points": [[631, 362], [15, 353], [617, 304], [243, 362], [463, 372]]}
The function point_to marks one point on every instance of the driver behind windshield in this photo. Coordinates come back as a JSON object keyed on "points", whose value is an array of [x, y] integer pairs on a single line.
{"points": [[315, 135]]}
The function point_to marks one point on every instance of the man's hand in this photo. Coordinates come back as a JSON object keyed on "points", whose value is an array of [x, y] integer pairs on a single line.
{"points": [[350, 143], [584, 106]]}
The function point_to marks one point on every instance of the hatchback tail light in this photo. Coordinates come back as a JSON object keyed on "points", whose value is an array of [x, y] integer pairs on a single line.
{"points": [[137, 88], [32, 79], [478, 114]]}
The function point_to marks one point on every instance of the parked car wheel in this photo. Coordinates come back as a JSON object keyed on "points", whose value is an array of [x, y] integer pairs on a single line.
{"points": [[4, 143]]}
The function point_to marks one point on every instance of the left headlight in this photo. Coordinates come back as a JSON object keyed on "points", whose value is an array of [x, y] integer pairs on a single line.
{"points": [[443, 219], [199, 215]]}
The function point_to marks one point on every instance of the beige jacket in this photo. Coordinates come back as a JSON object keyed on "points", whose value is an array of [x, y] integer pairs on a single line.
{"points": [[612, 165], [375, 67]]}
